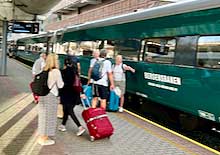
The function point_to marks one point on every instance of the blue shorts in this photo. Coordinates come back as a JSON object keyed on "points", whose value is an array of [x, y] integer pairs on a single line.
{"points": [[100, 91]]}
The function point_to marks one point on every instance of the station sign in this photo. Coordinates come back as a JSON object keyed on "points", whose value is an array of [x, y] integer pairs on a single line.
{"points": [[23, 27]]}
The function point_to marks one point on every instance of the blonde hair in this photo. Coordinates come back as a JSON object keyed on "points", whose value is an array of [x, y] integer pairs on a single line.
{"points": [[51, 62]]}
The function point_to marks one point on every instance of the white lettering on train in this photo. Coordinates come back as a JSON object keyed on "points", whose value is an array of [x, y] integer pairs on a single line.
{"points": [[162, 86], [163, 78]]}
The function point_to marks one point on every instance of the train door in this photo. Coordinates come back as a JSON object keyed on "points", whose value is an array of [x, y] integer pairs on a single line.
{"points": [[185, 60], [129, 49], [160, 81], [208, 76]]}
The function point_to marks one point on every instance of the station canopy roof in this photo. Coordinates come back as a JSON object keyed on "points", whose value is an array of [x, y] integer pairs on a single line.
{"points": [[23, 10], [68, 6]]}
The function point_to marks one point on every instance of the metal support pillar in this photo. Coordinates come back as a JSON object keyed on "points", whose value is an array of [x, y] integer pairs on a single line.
{"points": [[4, 48]]}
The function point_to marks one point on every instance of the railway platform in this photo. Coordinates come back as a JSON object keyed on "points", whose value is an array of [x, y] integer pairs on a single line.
{"points": [[133, 134]]}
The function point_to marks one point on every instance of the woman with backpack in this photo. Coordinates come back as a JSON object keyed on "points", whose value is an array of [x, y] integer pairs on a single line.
{"points": [[119, 70], [47, 120], [70, 94]]}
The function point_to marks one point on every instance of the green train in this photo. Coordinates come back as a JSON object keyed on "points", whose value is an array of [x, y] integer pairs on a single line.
{"points": [[174, 48]]}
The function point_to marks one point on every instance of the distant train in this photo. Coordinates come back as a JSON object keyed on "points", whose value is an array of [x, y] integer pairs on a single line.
{"points": [[174, 48]]}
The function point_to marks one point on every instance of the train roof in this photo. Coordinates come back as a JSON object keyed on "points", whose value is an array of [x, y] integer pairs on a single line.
{"points": [[35, 38], [155, 12], [139, 24], [159, 12]]}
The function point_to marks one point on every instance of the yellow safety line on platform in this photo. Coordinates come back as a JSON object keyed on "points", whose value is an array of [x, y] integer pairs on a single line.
{"points": [[173, 132], [181, 147]]}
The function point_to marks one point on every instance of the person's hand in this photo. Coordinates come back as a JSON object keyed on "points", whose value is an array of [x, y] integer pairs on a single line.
{"points": [[83, 96], [88, 82], [133, 70], [112, 87]]}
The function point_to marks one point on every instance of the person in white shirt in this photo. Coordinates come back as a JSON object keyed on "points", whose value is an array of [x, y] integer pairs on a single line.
{"points": [[100, 87], [96, 55], [39, 64], [119, 70], [47, 106], [36, 69]]}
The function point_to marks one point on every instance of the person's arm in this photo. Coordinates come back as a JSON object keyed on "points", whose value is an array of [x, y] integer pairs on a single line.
{"points": [[92, 62], [60, 82], [128, 68], [89, 75], [34, 70], [79, 68], [110, 76]]}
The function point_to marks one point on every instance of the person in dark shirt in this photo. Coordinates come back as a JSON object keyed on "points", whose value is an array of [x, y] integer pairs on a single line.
{"points": [[69, 97], [75, 60]]}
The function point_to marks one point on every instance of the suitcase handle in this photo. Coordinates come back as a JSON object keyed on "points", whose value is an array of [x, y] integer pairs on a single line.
{"points": [[83, 103], [85, 89]]}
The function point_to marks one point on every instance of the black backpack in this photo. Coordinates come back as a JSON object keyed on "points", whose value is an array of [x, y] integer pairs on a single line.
{"points": [[39, 85]]}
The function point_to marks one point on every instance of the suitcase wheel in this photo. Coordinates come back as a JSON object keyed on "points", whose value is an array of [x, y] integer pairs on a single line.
{"points": [[92, 138]]}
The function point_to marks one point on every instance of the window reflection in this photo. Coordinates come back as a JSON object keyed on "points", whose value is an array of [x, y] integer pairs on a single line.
{"points": [[129, 49], [160, 50], [208, 54]]}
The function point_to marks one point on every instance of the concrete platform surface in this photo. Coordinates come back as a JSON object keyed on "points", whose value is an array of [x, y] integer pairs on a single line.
{"points": [[133, 136]]}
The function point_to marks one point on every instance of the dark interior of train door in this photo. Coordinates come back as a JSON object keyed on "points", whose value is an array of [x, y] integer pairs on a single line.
{"points": [[186, 50]]}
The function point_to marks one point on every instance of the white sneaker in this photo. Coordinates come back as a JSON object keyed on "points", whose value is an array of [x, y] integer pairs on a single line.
{"points": [[46, 142], [80, 131], [62, 128], [120, 109]]}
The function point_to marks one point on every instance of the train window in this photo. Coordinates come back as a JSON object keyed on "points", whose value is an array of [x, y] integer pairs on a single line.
{"points": [[87, 47], [208, 54], [129, 49], [109, 46], [71, 48], [160, 50], [21, 47], [79, 48]]}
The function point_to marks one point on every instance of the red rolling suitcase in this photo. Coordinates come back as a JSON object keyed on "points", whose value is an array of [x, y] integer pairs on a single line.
{"points": [[97, 122]]}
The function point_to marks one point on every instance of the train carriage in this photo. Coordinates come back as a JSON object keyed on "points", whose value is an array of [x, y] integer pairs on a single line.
{"points": [[174, 48]]}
